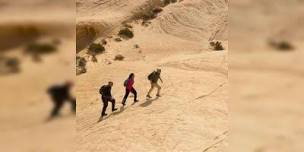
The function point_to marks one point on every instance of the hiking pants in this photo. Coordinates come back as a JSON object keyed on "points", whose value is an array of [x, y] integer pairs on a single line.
{"points": [[105, 101], [73, 104], [154, 85], [127, 94], [58, 103]]}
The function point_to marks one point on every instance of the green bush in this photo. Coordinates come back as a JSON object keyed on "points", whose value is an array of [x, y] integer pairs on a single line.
{"points": [[96, 48], [126, 33], [80, 65]]}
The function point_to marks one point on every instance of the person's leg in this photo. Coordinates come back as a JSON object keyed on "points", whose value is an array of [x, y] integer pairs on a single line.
{"points": [[73, 105], [113, 104], [105, 105], [57, 106], [158, 89], [135, 94], [150, 90], [125, 97]]}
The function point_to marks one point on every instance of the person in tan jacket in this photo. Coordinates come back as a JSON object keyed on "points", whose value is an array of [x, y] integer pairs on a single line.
{"points": [[153, 78]]}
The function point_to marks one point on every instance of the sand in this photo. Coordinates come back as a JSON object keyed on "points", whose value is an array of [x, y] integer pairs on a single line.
{"points": [[24, 104], [192, 113], [265, 84]]}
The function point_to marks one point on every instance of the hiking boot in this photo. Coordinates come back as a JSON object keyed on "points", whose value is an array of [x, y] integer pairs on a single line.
{"points": [[123, 104], [148, 96], [136, 100], [114, 109], [104, 115], [158, 95]]}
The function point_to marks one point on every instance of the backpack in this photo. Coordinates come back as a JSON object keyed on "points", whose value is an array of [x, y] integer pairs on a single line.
{"points": [[101, 90], [125, 82], [150, 76]]}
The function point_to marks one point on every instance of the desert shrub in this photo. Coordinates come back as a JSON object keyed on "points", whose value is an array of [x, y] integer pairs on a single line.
{"points": [[157, 10], [127, 25], [119, 57], [80, 65], [9, 65], [95, 48], [80, 61], [94, 59], [104, 42], [284, 45], [117, 39], [40, 48], [281, 45], [217, 46], [126, 33], [145, 23], [136, 46], [166, 2]]}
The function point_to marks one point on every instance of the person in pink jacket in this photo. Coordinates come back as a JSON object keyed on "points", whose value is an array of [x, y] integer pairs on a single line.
{"points": [[129, 88]]}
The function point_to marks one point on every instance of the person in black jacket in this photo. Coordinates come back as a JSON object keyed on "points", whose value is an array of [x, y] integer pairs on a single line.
{"points": [[106, 97], [60, 94]]}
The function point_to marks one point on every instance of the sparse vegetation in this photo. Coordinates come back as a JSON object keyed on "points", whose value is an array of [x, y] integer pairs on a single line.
{"points": [[95, 48], [104, 42], [157, 10], [151, 14], [9, 65], [80, 65], [37, 49], [145, 23], [281, 45], [217, 46], [166, 2], [119, 57], [40, 48], [94, 59], [127, 25], [126, 33], [136, 46], [117, 39]]}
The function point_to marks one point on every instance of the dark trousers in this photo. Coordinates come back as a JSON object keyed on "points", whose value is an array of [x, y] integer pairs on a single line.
{"points": [[127, 94], [105, 101], [73, 105], [58, 104]]}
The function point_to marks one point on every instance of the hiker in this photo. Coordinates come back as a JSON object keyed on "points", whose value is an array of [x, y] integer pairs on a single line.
{"points": [[129, 88], [153, 78], [60, 94], [106, 97]]}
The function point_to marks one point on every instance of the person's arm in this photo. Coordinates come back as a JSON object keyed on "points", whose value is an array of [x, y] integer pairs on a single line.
{"points": [[160, 79], [110, 93], [71, 98]]}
